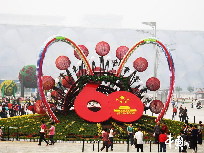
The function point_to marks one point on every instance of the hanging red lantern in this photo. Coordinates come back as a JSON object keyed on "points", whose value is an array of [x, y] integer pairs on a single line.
{"points": [[102, 48], [84, 49], [67, 81], [156, 106], [48, 82], [62, 62], [121, 52], [153, 84], [140, 64]]}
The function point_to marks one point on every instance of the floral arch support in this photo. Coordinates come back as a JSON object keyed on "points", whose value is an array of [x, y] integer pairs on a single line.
{"points": [[40, 64]]}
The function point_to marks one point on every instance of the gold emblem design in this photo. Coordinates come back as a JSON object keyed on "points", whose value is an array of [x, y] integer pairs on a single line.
{"points": [[122, 110]]}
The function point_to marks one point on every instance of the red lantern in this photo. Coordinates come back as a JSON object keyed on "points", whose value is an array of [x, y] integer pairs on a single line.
{"points": [[156, 106], [153, 84], [62, 62], [39, 108], [84, 49], [102, 48], [48, 82], [67, 81], [140, 64], [81, 72], [121, 52]]}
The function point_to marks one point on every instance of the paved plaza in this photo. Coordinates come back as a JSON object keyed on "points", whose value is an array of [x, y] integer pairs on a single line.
{"points": [[66, 147], [198, 113]]}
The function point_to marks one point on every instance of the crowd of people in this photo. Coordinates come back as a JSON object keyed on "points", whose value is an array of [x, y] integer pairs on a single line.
{"points": [[191, 135], [10, 107], [183, 116]]}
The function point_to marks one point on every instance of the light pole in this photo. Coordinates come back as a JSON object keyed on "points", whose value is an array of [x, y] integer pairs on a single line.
{"points": [[153, 25]]}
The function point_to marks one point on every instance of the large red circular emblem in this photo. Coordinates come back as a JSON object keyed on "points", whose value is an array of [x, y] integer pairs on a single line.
{"points": [[125, 106], [87, 95], [120, 105]]}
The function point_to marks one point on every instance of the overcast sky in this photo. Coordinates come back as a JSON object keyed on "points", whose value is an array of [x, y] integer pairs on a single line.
{"points": [[169, 14]]}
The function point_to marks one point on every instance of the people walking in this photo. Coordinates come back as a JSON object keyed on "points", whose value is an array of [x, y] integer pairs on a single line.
{"points": [[157, 131], [42, 133], [194, 134], [162, 139], [1, 133], [139, 140], [111, 135], [105, 140], [200, 130], [130, 134], [180, 112], [174, 113], [52, 133]]}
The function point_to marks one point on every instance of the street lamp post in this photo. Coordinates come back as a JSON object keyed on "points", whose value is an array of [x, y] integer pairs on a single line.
{"points": [[153, 25]]}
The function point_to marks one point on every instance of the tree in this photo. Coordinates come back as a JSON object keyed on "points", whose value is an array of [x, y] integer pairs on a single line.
{"points": [[190, 89]]}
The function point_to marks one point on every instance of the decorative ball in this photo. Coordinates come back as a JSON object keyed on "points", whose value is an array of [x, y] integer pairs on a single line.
{"points": [[156, 106], [84, 49], [121, 52], [8, 87], [153, 84], [39, 108], [81, 72], [67, 81], [140, 64], [48, 82], [102, 48], [62, 62], [56, 94], [27, 76]]}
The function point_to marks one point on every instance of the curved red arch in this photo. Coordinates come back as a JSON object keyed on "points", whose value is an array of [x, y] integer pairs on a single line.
{"points": [[40, 64]]}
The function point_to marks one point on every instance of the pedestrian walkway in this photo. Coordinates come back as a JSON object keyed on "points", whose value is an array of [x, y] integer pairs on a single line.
{"points": [[66, 147], [198, 113]]}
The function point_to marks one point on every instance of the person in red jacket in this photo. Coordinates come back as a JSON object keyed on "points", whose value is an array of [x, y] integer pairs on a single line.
{"points": [[105, 140], [162, 139], [42, 133], [174, 113]]}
